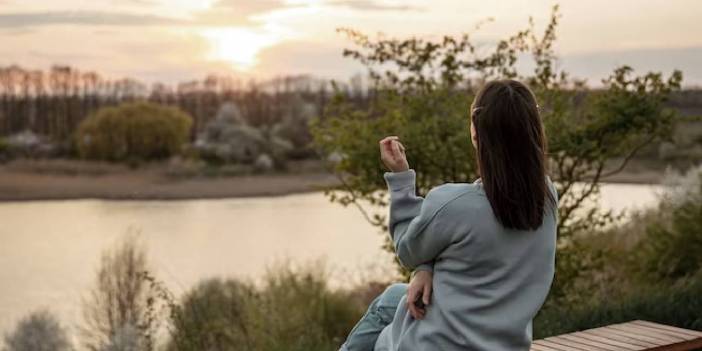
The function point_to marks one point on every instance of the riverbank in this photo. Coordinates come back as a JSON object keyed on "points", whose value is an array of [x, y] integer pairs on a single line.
{"points": [[65, 180], [26, 180]]}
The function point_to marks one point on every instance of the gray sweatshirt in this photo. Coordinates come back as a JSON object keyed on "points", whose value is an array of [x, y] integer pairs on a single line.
{"points": [[489, 281]]}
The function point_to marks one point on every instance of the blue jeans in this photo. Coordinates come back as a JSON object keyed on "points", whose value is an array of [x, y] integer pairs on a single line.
{"points": [[380, 313]]}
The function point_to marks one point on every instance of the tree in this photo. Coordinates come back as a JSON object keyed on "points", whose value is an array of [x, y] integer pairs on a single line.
{"points": [[139, 130], [119, 311], [39, 331], [422, 89]]}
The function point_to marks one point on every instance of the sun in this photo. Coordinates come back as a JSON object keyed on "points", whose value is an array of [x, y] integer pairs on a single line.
{"points": [[239, 46]]}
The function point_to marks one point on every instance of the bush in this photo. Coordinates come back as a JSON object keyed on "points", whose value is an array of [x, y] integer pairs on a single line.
{"points": [[673, 242], [133, 131], [299, 312], [647, 268], [228, 138], [27, 144], [291, 310], [215, 315], [677, 304], [40, 331]]}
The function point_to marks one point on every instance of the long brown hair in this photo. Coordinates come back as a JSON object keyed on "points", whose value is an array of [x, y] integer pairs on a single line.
{"points": [[511, 150]]}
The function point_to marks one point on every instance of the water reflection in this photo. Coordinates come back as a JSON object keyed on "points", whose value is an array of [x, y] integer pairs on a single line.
{"points": [[51, 249]]}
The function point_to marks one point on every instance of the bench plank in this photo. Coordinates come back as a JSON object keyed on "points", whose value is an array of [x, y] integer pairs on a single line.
{"points": [[656, 342], [640, 344], [683, 336], [669, 327], [600, 346], [652, 334], [561, 346], [637, 335], [620, 344]]}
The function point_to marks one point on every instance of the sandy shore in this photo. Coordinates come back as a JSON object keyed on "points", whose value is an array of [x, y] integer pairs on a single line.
{"points": [[31, 182], [63, 180]]}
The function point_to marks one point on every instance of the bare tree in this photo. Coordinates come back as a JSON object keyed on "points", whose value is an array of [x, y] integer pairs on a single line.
{"points": [[120, 300], [39, 331]]}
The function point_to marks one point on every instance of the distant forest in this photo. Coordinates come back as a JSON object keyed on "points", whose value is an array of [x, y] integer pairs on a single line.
{"points": [[52, 103]]}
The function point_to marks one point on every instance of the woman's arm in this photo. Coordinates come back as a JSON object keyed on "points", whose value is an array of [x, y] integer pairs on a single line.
{"points": [[417, 226], [411, 215]]}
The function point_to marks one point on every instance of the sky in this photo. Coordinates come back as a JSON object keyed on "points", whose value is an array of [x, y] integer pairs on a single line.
{"points": [[178, 40]]}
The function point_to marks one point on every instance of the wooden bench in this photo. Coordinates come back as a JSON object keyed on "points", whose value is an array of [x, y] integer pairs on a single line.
{"points": [[629, 336]]}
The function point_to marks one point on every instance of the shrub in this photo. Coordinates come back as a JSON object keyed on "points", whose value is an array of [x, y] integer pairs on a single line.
{"points": [[27, 144], [677, 304], [214, 315], [672, 244], [647, 268], [228, 138], [138, 130], [291, 310], [40, 331], [299, 312]]}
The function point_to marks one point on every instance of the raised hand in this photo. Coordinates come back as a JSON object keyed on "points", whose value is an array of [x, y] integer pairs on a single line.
{"points": [[392, 153]]}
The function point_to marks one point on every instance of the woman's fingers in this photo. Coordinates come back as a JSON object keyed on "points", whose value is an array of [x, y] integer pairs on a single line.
{"points": [[388, 142], [392, 153], [385, 147], [396, 152], [418, 310], [413, 297], [415, 311], [426, 296], [411, 308], [388, 138]]}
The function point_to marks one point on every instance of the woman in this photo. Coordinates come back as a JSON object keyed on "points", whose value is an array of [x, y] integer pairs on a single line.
{"points": [[483, 253]]}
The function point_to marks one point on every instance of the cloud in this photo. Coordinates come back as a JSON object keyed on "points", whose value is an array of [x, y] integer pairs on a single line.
{"points": [[304, 57], [136, 2], [600, 64], [239, 12], [221, 13], [370, 5], [18, 31], [249, 7], [33, 19]]}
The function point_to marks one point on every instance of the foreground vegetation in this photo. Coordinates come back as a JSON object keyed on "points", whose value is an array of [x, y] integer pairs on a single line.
{"points": [[645, 268]]}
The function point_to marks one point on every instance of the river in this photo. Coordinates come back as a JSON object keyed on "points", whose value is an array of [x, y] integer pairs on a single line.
{"points": [[50, 250]]}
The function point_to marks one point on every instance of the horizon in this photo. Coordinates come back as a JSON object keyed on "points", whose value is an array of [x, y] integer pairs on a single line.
{"points": [[171, 42]]}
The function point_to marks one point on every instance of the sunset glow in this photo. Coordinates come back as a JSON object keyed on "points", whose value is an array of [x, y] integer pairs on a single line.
{"points": [[173, 40], [239, 46]]}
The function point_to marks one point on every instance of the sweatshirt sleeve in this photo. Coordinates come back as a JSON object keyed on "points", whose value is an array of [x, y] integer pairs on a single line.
{"points": [[428, 267], [417, 228]]}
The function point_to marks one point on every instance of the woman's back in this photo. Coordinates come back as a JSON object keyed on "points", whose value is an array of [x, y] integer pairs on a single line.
{"points": [[491, 244], [488, 282]]}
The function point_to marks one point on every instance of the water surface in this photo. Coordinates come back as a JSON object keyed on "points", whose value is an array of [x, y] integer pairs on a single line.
{"points": [[50, 250]]}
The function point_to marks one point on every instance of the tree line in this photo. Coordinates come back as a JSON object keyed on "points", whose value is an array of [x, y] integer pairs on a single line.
{"points": [[53, 102]]}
